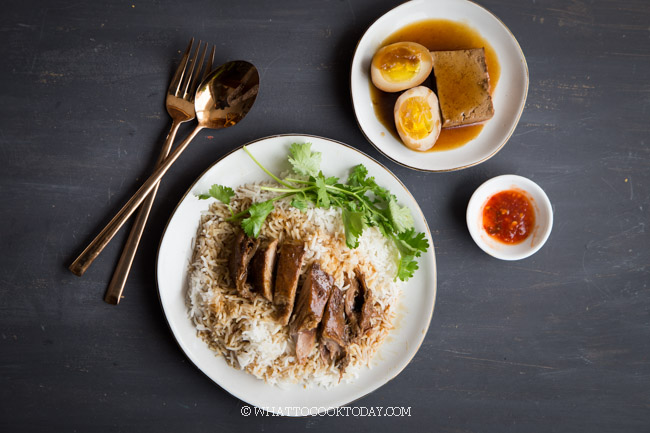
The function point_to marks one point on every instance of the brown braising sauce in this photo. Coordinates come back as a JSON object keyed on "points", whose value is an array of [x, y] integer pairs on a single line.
{"points": [[437, 35]]}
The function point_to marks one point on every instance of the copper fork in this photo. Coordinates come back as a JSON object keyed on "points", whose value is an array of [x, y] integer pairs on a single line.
{"points": [[180, 106]]}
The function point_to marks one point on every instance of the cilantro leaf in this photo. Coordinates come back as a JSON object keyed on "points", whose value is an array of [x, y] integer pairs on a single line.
{"points": [[354, 223], [380, 191], [400, 216], [257, 215], [220, 192], [410, 245], [362, 183], [323, 196], [410, 242], [299, 204], [407, 267], [303, 160], [358, 175]]}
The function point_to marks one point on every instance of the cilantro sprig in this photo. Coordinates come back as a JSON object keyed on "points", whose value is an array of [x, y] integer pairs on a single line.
{"points": [[221, 193], [362, 201]]}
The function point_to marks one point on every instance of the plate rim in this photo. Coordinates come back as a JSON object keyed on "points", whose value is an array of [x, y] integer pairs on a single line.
{"points": [[429, 170], [433, 286]]}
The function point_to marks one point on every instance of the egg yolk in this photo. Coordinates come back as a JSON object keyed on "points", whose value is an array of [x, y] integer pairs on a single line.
{"points": [[416, 117], [400, 64]]}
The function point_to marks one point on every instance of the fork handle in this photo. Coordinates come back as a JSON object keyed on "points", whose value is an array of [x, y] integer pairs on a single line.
{"points": [[85, 259], [121, 273]]}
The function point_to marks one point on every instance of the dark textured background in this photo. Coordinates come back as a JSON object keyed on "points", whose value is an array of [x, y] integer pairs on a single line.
{"points": [[557, 342]]}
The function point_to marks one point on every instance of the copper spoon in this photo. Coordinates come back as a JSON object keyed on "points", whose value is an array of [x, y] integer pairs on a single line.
{"points": [[222, 100]]}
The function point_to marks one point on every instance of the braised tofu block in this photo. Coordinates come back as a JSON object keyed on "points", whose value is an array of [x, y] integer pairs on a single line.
{"points": [[334, 332], [463, 86], [309, 310], [290, 261], [261, 269], [243, 249]]}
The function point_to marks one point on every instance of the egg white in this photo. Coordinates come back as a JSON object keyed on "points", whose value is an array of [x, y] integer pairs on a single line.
{"points": [[383, 82], [427, 142]]}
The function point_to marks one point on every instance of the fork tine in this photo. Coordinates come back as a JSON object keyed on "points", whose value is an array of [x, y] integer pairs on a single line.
{"points": [[188, 76], [208, 66], [195, 77], [180, 71]]}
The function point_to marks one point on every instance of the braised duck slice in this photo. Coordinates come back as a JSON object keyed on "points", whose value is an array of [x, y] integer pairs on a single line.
{"points": [[312, 299], [352, 304], [243, 250], [368, 311], [305, 342], [261, 269], [359, 306], [334, 332], [290, 260], [309, 310]]}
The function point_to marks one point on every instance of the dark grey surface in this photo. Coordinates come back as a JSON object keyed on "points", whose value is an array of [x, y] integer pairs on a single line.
{"points": [[557, 342]]}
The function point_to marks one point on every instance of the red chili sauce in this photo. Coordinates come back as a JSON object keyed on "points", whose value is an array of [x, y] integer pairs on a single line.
{"points": [[508, 216]]}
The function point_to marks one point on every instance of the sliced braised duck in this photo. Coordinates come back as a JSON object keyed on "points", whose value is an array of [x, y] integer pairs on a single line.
{"points": [[312, 298], [309, 310], [368, 311], [305, 342], [261, 268], [359, 306], [352, 302], [334, 330], [290, 259], [243, 250]]}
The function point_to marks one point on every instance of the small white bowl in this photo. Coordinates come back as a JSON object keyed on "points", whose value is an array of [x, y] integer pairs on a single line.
{"points": [[543, 217]]}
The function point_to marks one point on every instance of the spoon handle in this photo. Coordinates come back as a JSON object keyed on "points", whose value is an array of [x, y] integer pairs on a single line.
{"points": [[121, 273], [85, 259]]}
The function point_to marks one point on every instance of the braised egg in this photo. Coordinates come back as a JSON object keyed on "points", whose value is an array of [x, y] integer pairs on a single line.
{"points": [[400, 66], [417, 118]]}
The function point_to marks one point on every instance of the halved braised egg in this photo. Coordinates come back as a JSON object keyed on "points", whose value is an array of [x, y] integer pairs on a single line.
{"points": [[400, 66], [417, 118]]}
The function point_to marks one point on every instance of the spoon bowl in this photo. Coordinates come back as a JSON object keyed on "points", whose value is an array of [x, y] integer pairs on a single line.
{"points": [[226, 95]]}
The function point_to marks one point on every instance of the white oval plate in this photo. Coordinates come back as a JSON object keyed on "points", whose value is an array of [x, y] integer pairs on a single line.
{"points": [[175, 251], [509, 96]]}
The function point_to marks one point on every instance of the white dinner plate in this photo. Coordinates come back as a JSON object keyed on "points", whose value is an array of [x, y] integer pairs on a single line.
{"points": [[508, 98], [174, 254]]}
